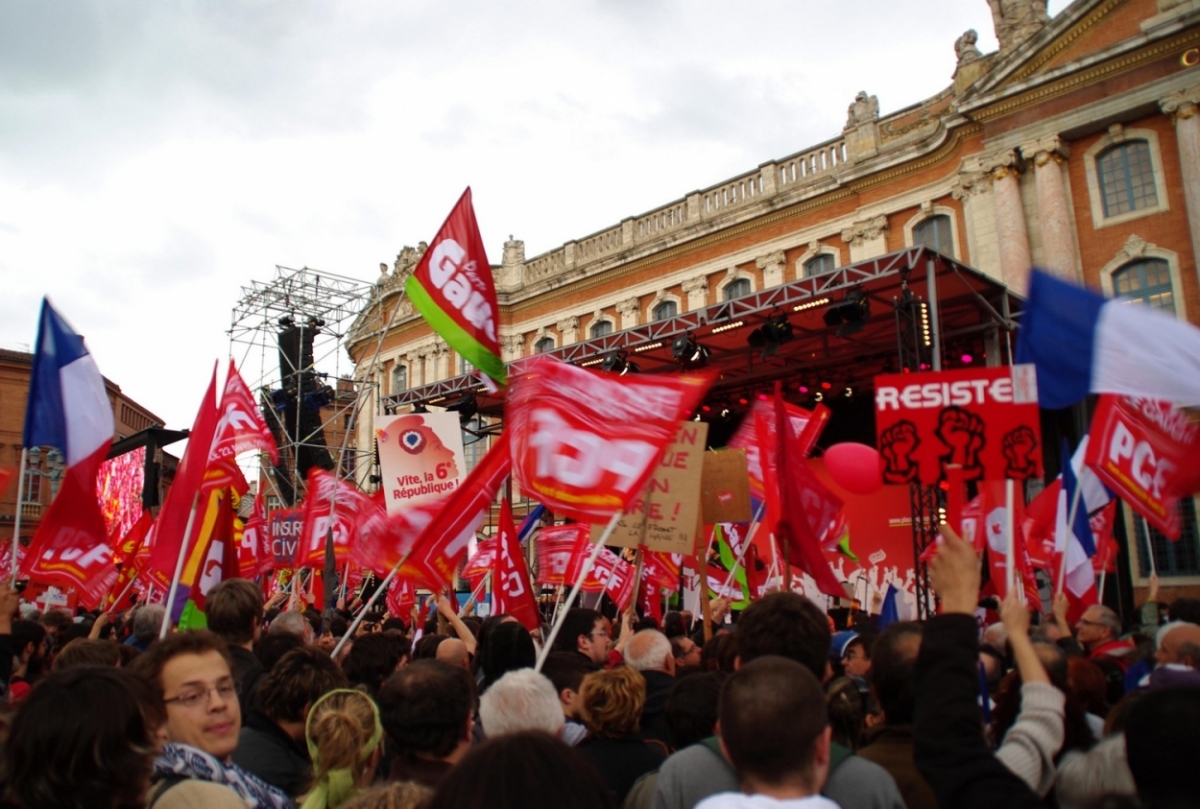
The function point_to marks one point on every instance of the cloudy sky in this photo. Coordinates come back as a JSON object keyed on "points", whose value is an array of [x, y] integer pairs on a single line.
{"points": [[157, 155]]}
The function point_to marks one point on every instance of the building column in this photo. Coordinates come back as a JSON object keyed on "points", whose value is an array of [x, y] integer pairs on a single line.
{"points": [[772, 266], [629, 310], [867, 238], [697, 292], [1011, 232], [1058, 239], [568, 330], [1182, 106]]}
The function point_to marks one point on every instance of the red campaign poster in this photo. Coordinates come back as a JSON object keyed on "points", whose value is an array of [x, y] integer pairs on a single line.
{"points": [[1143, 449], [982, 419]]}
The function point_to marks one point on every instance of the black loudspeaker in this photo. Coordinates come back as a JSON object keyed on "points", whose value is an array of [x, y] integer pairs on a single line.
{"points": [[301, 423]]}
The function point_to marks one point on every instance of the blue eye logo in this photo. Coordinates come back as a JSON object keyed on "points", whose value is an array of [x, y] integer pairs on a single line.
{"points": [[412, 441]]}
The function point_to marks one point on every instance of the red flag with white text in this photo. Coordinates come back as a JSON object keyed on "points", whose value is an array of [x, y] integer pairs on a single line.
{"points": [[584, 442], [511, 591]]}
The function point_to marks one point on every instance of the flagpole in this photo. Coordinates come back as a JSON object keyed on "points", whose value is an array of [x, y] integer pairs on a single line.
{"points": [[1149, 546], [475, 593], [17, 519], [382, 588], [187, 532], [1100, 594], [125, 592], [705, 602], [1014, 581], [583, 573], [745, 547], [1071, 512]]}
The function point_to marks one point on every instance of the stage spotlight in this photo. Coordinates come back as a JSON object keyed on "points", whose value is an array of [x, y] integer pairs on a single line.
{"points": [[779, 328], [286, 322], [420, 407], [850, 314], [848, 392], [614, 362], [688, 352], [819, 397], [826, 385]]}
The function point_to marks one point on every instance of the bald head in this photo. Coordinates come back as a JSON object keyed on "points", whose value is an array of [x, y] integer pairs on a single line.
{"points": [[453, 652], [1180, 644], [649, 650]]}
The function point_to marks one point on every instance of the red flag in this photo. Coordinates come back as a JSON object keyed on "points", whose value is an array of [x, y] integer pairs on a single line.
{"points": [[482, 562], [254, 551], [650, 600], [511, 593], [1145, 451], [125, 558], [167, 535], [441, 546], [1102, 532], [354, 515], [240, 428], [452, 287], [761, 416], [809, 510], [993, 507], [400, 598], [219, 537], [555, 550], [661, 569], [580, 551], [7, 476], [585, 442]]}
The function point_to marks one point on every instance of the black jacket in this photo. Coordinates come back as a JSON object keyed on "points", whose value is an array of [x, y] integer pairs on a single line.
{"points": [[654, 726], [622, 761], [950, 750], [248, 672], [265, 750]]}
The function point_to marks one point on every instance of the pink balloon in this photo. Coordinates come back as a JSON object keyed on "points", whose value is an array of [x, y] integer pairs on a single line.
{"points": [[854, 467]]}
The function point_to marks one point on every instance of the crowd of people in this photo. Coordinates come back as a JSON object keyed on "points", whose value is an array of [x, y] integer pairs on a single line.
{"points": [[770, 707]]}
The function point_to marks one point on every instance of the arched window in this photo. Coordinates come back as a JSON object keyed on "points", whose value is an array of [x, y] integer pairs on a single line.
{"points": [[736, 289], [1147, 281], [399, 378], [1126, 175], [543, 345], [665, 310], [464, 367], [935, 234], [601, 328], [818, 265]]}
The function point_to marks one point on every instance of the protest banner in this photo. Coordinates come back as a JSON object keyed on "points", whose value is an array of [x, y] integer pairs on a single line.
{"points": [[420, 458], [982, 419], [663, 518]]}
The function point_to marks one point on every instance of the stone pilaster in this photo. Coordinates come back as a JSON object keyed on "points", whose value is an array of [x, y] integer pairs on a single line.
{"points": [[568, 330], [772, 266], [630, 312], [1060, 255], [1012, 233], [697, 292], [1183, 107], [867, 238]]}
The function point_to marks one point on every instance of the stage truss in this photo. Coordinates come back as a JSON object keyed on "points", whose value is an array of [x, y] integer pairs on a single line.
{"points": [[327, 306]]}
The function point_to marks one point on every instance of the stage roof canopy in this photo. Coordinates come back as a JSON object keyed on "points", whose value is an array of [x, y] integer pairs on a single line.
{"points": [[969, 315]]}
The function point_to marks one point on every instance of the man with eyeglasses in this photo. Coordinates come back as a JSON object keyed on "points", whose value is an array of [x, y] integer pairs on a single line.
{"points": [[193, 674], [584, 631], [1099, 632]]}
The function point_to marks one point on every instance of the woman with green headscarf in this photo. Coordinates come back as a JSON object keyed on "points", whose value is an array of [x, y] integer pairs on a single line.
{"points": [[343, 734]]}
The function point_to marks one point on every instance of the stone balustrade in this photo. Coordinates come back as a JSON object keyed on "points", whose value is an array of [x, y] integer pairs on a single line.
{"points": [[816, 162]]}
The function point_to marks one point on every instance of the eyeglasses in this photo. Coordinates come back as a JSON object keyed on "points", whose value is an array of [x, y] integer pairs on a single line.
{"points": [[1086, 622], [602, 633], [193, 699]]}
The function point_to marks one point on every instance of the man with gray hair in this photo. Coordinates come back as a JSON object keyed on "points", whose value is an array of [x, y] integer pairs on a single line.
{"points": [[649, 652], [1099, 633], [147, 623], [520, 700], [292, 623]]}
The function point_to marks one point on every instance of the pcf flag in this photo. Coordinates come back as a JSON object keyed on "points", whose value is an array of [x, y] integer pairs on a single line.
{"points": [[68, 409], [511, 591], [452, 288], [585, 442]]}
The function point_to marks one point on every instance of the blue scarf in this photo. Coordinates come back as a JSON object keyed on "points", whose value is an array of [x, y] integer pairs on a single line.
{"points": [[189, 762]]}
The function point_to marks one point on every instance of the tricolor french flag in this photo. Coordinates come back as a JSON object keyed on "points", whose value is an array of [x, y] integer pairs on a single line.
{"points": [[1082, 342], [68, 409]]}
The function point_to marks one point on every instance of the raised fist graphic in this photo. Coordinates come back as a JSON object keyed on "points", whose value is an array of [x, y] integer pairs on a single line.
{"points": [[962, 433], [1020, 453], [896, 445]]}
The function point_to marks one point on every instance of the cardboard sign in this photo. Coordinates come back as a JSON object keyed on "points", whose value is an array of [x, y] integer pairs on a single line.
{"points": [[725, 487], [1141, 449], [664, 517], [982, 419], [420, 456]]}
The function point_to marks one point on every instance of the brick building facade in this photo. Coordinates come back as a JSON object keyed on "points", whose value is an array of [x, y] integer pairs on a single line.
{"points": [[1075, 147]]}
